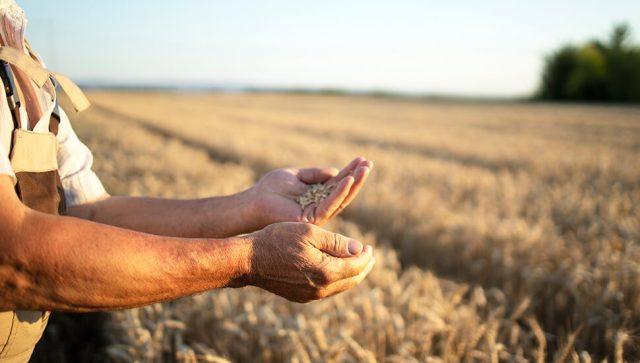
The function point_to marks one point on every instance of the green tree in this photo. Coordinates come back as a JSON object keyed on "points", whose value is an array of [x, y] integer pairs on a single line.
{"points": [[623, 63], [557, 72], [595, 71]]}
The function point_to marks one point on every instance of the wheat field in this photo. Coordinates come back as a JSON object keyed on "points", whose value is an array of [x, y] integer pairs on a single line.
{"points": [[503, 232]]}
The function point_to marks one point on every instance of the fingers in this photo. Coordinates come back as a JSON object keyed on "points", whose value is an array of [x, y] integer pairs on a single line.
{"points": [[349, 282], [336, 245], [329, 206], [316, 175], [348, 169], [309, 213], [323, 264], [342, 268], [348, 256], [348, 183], [338, 269], [360, 176]]}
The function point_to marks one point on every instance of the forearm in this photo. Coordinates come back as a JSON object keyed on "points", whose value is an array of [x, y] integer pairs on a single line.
{"points": [[62, 263], [215, 217]]}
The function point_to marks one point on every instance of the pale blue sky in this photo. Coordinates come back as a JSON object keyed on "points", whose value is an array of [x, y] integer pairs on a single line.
{"points": [[490, 47]]}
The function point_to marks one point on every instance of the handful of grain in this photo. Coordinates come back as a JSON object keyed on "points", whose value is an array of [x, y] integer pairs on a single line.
{"points": [[315, 194]]}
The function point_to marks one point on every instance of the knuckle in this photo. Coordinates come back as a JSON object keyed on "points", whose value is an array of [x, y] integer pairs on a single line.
{"points": [[335, 241]]}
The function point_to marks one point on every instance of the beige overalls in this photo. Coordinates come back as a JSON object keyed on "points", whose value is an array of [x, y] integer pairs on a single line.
{"points": [[33, 158]]}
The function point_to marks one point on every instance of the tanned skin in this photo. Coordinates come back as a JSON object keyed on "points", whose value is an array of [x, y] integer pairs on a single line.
{"points": [[69, 264]]}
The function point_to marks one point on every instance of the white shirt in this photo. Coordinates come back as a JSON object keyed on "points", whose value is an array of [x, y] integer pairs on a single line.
{"points": [[80, 183]]}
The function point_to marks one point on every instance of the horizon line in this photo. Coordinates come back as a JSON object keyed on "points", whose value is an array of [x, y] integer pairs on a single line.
{"points": [[241, 87]]}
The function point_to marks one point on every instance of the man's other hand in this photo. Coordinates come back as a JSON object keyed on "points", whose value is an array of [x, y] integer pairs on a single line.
{"points": [[302, 262], [275, 194]]}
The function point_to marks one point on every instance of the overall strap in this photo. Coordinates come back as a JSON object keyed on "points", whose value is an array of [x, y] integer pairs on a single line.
{"points": [[30, 67], [54, 119], [40, 75], [11, 93]]}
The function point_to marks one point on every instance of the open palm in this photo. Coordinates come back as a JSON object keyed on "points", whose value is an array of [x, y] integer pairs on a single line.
{"points": [[277, 192]]}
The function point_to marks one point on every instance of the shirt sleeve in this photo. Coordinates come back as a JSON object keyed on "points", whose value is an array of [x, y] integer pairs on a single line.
{"points": [[81, 185]]}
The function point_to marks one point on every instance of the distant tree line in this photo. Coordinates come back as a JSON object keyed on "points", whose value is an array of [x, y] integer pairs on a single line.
{"points": [[595, 71]]}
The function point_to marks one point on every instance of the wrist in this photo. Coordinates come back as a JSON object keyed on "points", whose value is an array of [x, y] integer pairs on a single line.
{"points": [[243, 255], [253, 209], [229, 215]]}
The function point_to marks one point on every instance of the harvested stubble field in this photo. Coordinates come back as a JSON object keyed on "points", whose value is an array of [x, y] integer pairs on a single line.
{"points": [[504, 232]]}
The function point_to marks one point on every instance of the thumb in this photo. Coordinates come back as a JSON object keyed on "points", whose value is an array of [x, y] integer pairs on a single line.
{"points": [[338, 245]]}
